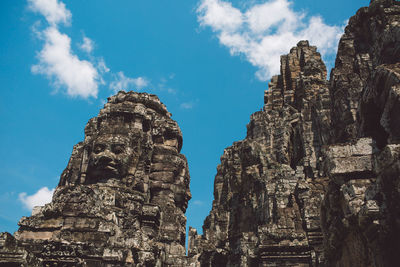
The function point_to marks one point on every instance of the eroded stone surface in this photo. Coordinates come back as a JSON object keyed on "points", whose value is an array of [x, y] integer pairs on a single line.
{"points": [[360, 214], [269, 186], [122, 198], [320, 155], [315, 182]]}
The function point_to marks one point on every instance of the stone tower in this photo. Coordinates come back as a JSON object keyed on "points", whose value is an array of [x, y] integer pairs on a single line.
{"points": [[269, 186], [316, 181], [122, 198]]}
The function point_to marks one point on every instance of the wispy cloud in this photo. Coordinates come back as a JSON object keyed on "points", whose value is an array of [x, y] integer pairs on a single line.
{"points": [[121, 82], [101, 66], [57, 60], [40, 198], [54, 11], [265, 31], [198, 202], [187, 105], [163, 85], [64, 68], [87, 45]]}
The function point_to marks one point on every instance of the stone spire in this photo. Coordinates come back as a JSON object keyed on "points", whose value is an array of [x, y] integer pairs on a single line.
{"points": [[122, 198], [268, 186]]}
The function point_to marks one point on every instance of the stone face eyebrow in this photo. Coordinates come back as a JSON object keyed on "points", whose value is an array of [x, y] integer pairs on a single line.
{"points": [[315, 182]]}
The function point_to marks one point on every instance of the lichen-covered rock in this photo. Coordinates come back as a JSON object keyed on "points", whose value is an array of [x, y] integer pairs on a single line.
{"points": [[316, 182], [361, 210], [269, 186], [317, 156], [11, 254], [122, 198], [370, 40]]}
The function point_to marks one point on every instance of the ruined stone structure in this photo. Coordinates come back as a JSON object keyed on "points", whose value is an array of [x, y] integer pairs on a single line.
{"points": [[120, 201], [269, 187], [316, 181], [361, 211]]}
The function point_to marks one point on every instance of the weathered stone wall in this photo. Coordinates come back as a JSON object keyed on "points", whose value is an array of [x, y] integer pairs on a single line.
{"points": [[316, 182], [361, 211], [320, 155], [122, 198], [268, 187], [370, 39]]}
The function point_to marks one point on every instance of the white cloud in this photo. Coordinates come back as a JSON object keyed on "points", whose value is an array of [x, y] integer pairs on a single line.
{"points": [[57, 60], [101, 66], [221, 15], [87, 45], [263, 17], [187, 105], [266, 31], [163, 86], [40, 198], [198, 203], [54, 11], [121, 82], [171, 91], [58, 63], [325, 37]]}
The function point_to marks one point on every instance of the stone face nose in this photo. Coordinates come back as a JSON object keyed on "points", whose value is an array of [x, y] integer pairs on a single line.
{"points": [[106, 157], [107, 153], [122, 196]]}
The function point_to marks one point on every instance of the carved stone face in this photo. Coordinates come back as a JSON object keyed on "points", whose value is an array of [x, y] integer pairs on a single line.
{"points": [[112, 156]]}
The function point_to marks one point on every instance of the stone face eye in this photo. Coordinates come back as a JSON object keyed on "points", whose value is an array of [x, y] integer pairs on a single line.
{"points": [[118, 148], [98, 148]]}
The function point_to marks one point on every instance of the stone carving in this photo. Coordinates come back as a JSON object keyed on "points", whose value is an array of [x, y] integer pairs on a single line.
{"points": [[360, 212], [320, 155], [268, 187], [113, 156], [122, 198], [316, 181]]}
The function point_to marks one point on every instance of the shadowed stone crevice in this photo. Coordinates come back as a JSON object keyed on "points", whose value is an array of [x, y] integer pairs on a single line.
{"points": [[316, 181], [121, 199], [326, 200], [270, 179]]}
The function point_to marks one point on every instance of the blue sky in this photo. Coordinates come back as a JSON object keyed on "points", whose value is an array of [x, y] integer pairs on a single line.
{"points": [[209, 61]]}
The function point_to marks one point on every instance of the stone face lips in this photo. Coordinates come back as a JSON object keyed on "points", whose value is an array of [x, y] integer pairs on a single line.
{"points": [[316, 181], [269, 186], [122, 198]]}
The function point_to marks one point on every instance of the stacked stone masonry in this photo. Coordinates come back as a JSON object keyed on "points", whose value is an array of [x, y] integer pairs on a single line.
{"points": [[316, 181], [269, 187], [120, 201], [360, 214]]}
